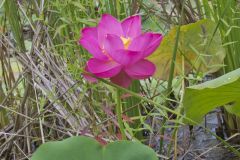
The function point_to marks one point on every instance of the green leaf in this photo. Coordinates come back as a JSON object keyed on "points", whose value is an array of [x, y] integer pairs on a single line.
{"points": [[85, 148], [11, 9], [198, 47], [134, 112], [225, 90], [3, 114]]}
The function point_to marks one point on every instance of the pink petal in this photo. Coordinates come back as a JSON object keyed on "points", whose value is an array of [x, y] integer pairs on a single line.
{"points": [[126, 57], [132, 26], [89, 41], [141, 70], [103, 69], [147, 43], [112, 43], [115, 49], [88, 76], [91, 32], [156, 40], [141, 42], [108, 25], [122, 79]]}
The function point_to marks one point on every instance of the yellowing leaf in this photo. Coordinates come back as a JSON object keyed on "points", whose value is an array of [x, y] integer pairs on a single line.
{"points": [[199, 49]]}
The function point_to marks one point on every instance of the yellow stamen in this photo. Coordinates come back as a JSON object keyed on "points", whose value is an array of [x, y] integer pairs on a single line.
{"points": [[126, 41]]}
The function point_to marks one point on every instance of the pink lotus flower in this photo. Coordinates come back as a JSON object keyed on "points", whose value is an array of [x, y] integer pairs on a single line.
{"points": [[119, 50]]}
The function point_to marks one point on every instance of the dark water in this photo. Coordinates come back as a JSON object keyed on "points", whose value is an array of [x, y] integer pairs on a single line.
{"points": [[197, 144], [202, 145]]}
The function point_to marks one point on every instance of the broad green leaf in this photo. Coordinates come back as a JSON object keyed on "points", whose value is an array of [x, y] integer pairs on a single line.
{"points": [[225, 90], [198, 50], [85, 148]]}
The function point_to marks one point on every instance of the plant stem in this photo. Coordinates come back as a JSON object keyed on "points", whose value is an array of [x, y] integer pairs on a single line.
{"points": [[166, 109], [171, 75], [119, 115]]}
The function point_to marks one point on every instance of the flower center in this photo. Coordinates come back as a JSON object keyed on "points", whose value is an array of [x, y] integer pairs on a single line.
{"points": [[126, 41]]}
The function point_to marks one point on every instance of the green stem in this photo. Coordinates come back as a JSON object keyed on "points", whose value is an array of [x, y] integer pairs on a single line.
{"points": [[171, 74], [231, 148], [119, 115]]}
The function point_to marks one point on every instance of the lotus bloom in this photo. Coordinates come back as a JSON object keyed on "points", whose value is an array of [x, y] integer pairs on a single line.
{"points": [[119, 50]]}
